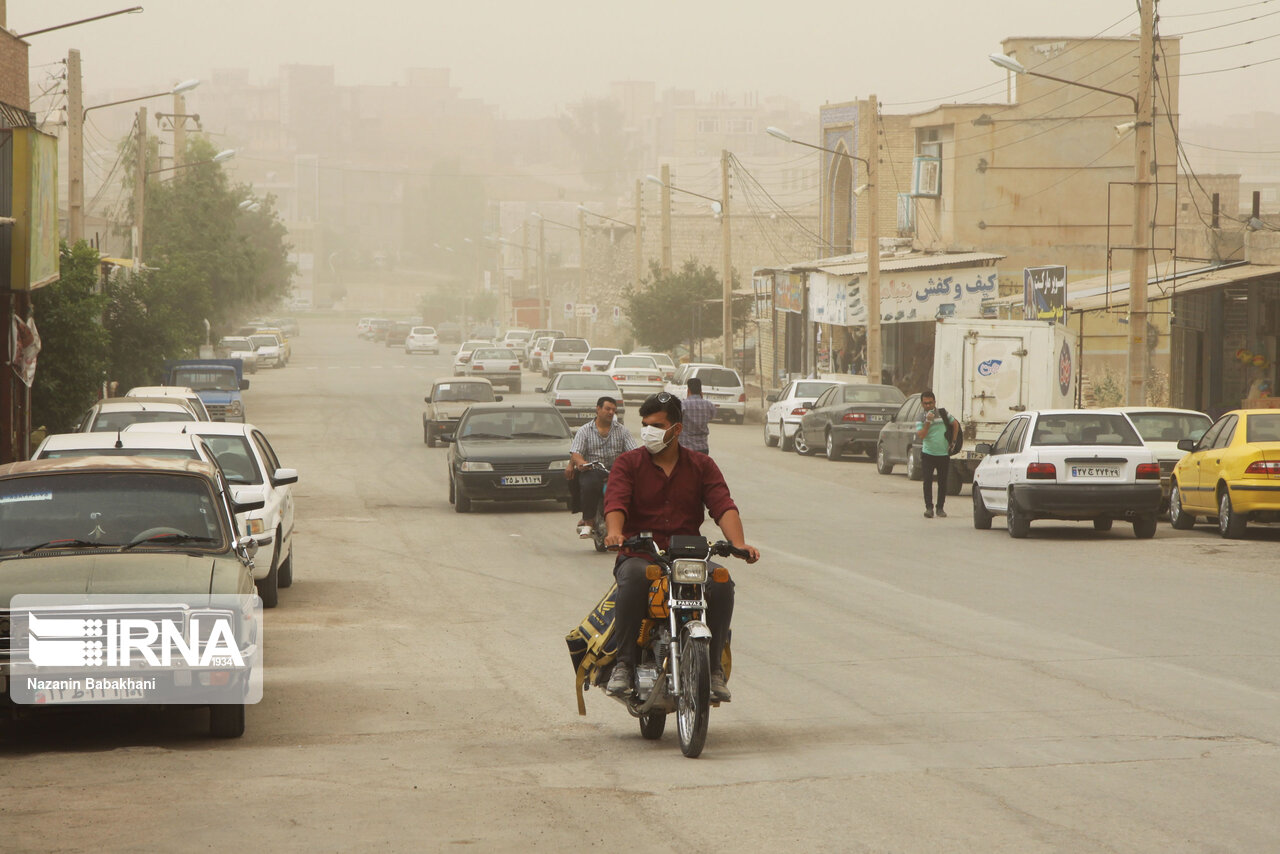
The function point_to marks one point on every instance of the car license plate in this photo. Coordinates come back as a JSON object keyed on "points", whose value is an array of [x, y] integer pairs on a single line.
{"points": [[876, 417], [522, 480], [1095, 471], [87, 695]]}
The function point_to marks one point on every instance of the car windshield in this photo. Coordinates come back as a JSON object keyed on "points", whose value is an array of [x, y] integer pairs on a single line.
{"points": [[872, 394], [1170, 426], [635, 362], [1263, 427], [490, 353], [473, 392], [1084, 428], [106, 508], [206, 379], [236, 343], [571, 345], [543, 343], [718, 377], [514, 423], [518, 335], [236, 458], [263, 341], [111, 422], [594, 382], [810, 391], [163, 453], [661, 358]]}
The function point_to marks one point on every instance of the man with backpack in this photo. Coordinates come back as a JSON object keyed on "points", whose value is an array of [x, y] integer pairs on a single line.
{"points": [[939, 433]]}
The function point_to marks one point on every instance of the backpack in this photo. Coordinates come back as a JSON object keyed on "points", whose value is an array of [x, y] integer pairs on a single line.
{"points": [[955, 442]]}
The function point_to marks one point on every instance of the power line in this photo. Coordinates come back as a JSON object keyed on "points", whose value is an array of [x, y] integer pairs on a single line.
{"points": [[1217, 11], [1232, 68], [1186, 53], [1228, 24]]}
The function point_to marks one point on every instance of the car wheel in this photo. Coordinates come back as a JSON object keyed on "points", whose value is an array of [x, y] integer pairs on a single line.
{"points": [[285, 577], [1018, 521], [461, 502], [833, 453], [785, 442], [268, 588], [1180, 519], [1144, 527], [1104, 524], [882, 460], [1230, 524], [226, 720], [801, 446], [771, 441], [915, 466], [981, 516]]}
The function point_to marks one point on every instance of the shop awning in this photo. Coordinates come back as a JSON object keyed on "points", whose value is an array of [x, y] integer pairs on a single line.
{"points": [[853, 265]]}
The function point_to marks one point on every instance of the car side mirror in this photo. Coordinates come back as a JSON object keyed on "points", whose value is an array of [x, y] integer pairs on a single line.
{"points": [[248, 506], [284, 477], [1186, 444], [446, 438], [244, 385], [983, 448], [497, 398], [427, 399], [540, 390], [807, 404], [771, 397], [247, 545]]}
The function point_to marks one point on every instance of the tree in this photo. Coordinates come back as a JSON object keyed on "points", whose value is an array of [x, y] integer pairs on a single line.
{"points": [[681, 306], [605, 149], [73, 354]]}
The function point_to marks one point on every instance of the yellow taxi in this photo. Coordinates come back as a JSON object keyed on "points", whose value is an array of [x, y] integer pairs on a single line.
{"points": [[279, 333], [1232, 473]]}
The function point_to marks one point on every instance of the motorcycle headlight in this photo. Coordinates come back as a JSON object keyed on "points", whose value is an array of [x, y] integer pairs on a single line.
{"points": [[689, 572], [471, 465], [558, 465]]}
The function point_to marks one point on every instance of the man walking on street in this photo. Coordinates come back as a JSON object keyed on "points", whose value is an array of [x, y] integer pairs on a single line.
{"points": [[935, 451], [698, 413]]}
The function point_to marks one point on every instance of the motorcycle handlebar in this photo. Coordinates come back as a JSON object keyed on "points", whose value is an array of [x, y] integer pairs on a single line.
{"points": [[722, 548]]}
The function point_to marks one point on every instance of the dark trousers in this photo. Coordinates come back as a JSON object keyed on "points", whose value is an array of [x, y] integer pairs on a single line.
{"points": [[941, 465], [591, 492], [631, 605]]}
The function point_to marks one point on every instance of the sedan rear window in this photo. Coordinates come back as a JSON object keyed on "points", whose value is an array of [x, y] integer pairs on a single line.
{"points": [[595, 382], [1084, 428], [809, 391], [570, 345], [1263, 428], [423, 330], [480, 355], [872, 394], [111, 422], [161, 453], [602, 355], [637, 362], [1170, 426], [718, 377], [473, 392]]}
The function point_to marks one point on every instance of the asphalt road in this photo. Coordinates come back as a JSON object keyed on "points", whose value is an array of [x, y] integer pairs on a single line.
{"points": [[900, 684]]}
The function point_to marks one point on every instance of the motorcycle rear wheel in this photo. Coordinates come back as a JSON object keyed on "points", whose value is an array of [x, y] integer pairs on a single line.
{"points": [[652, 725], [693, 706]]}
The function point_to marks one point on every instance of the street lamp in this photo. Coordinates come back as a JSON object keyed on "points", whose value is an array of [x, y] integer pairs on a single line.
{"points": [[1144, 153], [875, 351], [721, 208], [221, 157], [182, 88]]}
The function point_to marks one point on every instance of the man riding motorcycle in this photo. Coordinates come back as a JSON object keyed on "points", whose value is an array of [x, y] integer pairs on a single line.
{"points": [[601, 441], [663, 489]]}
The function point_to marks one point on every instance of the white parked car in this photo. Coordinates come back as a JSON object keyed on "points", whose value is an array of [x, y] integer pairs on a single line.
{"points": [[598, 358], [270, 352], [575, 395], [538, 353], [127, 443], [1162, 428], [113, 414], [566, 354], [498, 365], [253, 469], [1069, 464], [637, 376], [787, 407], [241, 348], [463, 357], [175, 391], [519, 341], [665, 362], [422, 339], [722, 386]]}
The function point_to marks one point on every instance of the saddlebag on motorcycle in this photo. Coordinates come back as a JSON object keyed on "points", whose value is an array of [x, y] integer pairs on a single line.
{"points": [[592, 644]]}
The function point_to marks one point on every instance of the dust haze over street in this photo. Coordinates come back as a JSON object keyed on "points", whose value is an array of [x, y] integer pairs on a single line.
{"points": [[900, 684]]}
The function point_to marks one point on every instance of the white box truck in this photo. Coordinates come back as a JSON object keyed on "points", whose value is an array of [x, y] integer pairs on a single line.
{"points": [[987, 371]]}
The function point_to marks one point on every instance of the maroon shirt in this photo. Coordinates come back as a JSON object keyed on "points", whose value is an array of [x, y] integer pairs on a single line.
{"points": [[666, 505]]}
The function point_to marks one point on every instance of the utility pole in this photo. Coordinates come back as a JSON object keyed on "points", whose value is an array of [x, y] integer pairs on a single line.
{"points": [[140, 187], [524, 265], [639, 235], [582, 270], [1144, 153], [179, 128], [726, 261], [75, 149], [544, 291], [875, 353], [666, 219]]}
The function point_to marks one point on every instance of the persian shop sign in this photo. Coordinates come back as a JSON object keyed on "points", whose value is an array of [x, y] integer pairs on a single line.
{"points": [[906, 297]]}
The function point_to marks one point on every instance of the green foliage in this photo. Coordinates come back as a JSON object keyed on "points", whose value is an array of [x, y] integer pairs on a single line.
{"points": [[679, 307], [73, 355], [148, 320], [596, 128]]}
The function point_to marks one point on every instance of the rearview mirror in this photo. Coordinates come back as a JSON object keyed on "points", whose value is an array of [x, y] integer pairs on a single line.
{"points": [[1186, 444], [983, 448], [540, 390], [244, 385], [446, 438], [498, 398], [284, 477], [807, 404], [248, 545], [427, 399], [771, 397]]}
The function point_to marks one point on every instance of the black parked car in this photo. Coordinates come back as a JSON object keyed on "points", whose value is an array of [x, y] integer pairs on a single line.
{"points": [[508, 452], [847, 417]]}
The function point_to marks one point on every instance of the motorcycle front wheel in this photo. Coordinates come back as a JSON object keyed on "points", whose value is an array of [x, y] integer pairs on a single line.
{"points": [[693, 706]]}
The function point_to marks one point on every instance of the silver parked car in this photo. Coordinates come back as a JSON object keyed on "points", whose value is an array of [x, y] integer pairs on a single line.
{"points": [[575, 395]]}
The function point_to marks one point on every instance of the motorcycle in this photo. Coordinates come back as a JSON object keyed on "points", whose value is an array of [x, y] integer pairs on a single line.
{"points": [[673, 670]]}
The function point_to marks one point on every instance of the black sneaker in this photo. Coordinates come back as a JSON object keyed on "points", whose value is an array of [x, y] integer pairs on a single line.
{"points": [[928, 512], [942, 514], [719, 690], [620, 681]]}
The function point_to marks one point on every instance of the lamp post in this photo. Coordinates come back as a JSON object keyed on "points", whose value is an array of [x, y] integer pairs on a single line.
{"points": [[721, 207], [1143, 156], [75, 139], [875, 350]]}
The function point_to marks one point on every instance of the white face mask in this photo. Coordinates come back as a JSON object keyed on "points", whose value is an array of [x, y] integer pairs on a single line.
{"points": [[654, 438]]}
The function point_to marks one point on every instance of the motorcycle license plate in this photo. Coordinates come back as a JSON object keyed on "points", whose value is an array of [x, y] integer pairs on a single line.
{"points": [[522, 480]]}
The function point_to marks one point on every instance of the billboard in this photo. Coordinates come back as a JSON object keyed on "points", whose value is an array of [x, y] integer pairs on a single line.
{"points": [[910, 296], [1045, 293], [34, 260]]}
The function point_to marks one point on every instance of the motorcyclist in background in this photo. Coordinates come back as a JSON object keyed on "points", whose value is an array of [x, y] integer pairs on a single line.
{"points": [[600, 440]]}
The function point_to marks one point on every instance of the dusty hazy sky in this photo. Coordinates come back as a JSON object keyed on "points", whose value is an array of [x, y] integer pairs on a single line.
{"points": [[529, 58]]}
